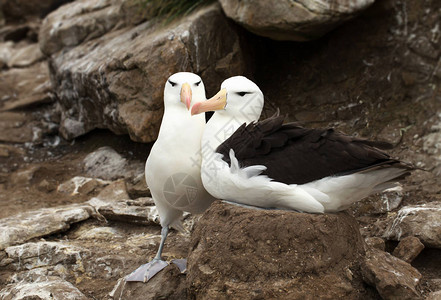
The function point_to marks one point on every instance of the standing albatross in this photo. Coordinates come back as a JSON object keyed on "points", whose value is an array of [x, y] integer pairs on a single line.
{"points": [[172, 170], [274, 165]]}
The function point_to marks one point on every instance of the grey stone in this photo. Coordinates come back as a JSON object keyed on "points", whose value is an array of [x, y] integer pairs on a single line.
{"points": [[43, 288], [113, 203], [78, 22], [422, 221], [31, 224], [107, 164], [81, 185], [41, 254], [434, 296], [381, 203], [99, 233], [25, 56], [292, 20], [127, 211]]}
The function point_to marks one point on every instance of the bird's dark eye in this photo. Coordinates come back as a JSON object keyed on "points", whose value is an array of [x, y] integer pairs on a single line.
{"points": [[198, 83], [172, 83], [243, 93]]}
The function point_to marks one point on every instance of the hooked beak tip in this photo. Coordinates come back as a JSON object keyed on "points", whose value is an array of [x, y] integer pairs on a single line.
{"points": [[195, 108]]}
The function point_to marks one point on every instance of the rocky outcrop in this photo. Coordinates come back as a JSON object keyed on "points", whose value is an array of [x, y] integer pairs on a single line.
{"points": [[292, 20], [421, 221], [114, 78], [251, 253]]}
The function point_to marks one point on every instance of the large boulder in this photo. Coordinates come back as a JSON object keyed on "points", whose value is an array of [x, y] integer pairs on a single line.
{"points": [[292, 20], [115, 80], [249, 253]]}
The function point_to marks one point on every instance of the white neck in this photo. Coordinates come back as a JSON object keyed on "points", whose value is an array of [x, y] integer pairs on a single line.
{"points": [[179, 128], [218, 129]]}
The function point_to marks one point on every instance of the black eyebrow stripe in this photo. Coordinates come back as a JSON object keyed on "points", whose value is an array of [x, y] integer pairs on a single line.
{"points": [[172, 83]]}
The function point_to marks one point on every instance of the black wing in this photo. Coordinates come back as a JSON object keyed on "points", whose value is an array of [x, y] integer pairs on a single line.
{"points": [[294, 154]]}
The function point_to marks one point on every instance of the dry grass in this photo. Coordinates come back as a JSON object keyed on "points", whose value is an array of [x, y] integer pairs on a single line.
{"points": [[169, 10]]}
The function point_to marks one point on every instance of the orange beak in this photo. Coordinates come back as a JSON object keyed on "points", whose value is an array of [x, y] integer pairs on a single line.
{"points": [[186, 95], [217, 102]]}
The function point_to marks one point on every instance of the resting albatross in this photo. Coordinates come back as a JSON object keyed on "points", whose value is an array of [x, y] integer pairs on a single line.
{"points": [[271, 165], [172, 170]]}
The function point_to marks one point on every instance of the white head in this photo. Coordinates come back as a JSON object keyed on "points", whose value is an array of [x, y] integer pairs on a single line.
{"points": [[183, 88], [239, 97]]}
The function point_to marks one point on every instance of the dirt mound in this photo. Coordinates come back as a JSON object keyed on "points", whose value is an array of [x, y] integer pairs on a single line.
{"points": [[253, 253]]}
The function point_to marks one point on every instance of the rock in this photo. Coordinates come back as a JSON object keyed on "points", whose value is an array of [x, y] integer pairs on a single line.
{"points": [[40, 254], [107, 164], [4, 152], [43, 288], [21, 87], [19, 10], [168, 284], [46, 186], [14, 128], [292, 20], [99, 233], [6, 49], [376, 242], [434, 296], [116, 80], [16, 32], [78, 22], [137, 187], [81, 185], [31, 224], [247, 253], [408, 249], [113, 203], [379, 204], [24, 177], [114, 192], [421, 221], [25, 56], [138, 212], [392, 277]]}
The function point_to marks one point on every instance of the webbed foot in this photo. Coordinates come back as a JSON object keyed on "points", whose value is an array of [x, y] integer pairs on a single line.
{"points": [[181, 263], [145, 272]]}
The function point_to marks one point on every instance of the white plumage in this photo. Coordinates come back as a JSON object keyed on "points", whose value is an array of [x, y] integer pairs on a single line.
{"points": [[241, 101], [172, 170]]}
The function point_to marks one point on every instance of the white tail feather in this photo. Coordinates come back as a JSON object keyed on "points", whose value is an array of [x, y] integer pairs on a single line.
{"points": [[330, 194]]}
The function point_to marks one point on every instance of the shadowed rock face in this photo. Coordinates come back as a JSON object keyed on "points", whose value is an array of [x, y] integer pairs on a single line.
{"points": [[251, 253], [14, 10], [292, 20], [115, 79]]}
